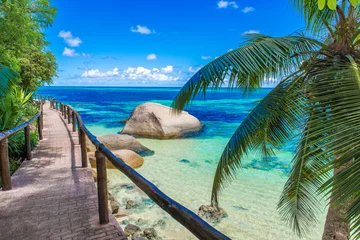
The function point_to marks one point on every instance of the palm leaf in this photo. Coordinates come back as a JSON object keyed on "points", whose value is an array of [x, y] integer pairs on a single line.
{"points": [[314, 17], [271, 123], [330, 140], [259, 58]]}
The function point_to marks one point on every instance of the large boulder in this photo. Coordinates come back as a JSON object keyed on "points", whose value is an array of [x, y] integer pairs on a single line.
{"points": [[119, 142], [154, 120], [129, 157]]}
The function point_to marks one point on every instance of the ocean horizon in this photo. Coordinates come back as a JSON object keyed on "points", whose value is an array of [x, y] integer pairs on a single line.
{"points": [[184, 168]]}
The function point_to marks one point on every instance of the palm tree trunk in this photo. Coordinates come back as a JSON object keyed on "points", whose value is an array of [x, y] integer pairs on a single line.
{"points": [[335, 226]]}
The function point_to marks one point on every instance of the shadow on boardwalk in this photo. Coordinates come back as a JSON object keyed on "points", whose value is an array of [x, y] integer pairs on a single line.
{"points": [[52, 196]]}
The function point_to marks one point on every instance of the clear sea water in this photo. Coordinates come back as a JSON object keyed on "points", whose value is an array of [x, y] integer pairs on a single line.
{"points": [[250, 200]]}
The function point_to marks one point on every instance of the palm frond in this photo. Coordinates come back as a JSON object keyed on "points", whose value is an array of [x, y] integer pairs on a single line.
{"points": [[259, 58], [330, 140], [271, 123], [315, 18]]}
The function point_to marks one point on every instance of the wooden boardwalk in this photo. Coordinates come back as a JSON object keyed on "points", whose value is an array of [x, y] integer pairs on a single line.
{"points": [[52, 196]]}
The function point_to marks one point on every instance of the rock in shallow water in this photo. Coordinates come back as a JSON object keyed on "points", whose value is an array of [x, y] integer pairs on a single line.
{"points": [[154, 120], [131, 229], [212, 213], [131, 204], [129, 157], [119, 142]]}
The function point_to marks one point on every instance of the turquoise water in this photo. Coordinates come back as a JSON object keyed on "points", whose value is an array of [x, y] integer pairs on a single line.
{"points": [[250, 200]]}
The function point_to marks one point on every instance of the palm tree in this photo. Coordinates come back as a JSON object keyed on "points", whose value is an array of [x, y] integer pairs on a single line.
{"points": [[318, 93]]}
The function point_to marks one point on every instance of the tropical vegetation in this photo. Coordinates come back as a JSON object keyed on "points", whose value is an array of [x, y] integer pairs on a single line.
{"points": [[317, 94], [25, 64]]}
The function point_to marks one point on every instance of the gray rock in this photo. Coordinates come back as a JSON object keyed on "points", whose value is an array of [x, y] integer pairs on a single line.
{"points": [[154, 120], [211, 213], [119, 142], [131, 229], [150, 233], [160, 223], [141, 222], [131, 204]]}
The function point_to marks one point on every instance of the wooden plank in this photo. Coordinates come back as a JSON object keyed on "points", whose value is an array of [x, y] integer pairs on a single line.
{"points": [[5, 166], [102, 187], [28, 143]]}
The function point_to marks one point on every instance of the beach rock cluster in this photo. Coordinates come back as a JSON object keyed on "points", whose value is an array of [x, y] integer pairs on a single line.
{"points": [[135, 233], [212, 213], [154, 120], [127, 156], [120, 142]]}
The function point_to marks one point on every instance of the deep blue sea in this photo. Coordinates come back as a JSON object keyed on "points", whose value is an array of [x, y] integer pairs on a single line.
{"points": [[250, 200]]}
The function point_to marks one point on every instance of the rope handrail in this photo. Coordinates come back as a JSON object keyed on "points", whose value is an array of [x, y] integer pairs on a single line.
{"points": [[199, 227]]}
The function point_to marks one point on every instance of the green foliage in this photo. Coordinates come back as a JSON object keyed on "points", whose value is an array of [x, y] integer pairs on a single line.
{"points": [[17, 144], [318, 96], [7, 80], [23, 47], [15, 108]]}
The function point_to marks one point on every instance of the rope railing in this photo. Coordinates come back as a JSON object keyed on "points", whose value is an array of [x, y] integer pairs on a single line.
{"points": [[4, 144], [200, 228]]}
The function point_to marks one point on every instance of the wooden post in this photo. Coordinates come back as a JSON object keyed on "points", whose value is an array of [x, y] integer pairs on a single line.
{"points": [[79, 131], [84, 159], [74, 121], [28, 143], [102, 187], [5, 166], [69, 115], [65, 110], [42, 116], [62, 109], [39, 128], [56, 106]]}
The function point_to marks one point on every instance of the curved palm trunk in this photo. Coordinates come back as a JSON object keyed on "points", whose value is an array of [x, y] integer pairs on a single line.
{"points": [[335, 226]]}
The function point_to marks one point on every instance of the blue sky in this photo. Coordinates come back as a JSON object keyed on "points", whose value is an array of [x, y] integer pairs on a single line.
{"points": [[155, 42]]}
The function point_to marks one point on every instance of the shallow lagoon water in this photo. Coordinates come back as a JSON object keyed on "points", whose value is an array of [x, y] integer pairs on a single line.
{"points": [[184, 168]]}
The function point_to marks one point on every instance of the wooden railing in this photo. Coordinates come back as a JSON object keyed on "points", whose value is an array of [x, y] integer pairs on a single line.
{"points": [[187, 218], [4, 155]]}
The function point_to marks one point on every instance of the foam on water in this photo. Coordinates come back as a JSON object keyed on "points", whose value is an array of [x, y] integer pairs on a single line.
{"points": [[184, 168]]}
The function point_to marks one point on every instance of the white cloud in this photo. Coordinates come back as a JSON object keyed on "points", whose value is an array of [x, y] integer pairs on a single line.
{"points": [[205, 57], [230, 50], [248, 9], [64, 34], [251, 32], [142, 30], [69, 52], [73, 42], [226, 4], [168, 69], [194, 70], [69, 39], [151, 56], [132, 73]]}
